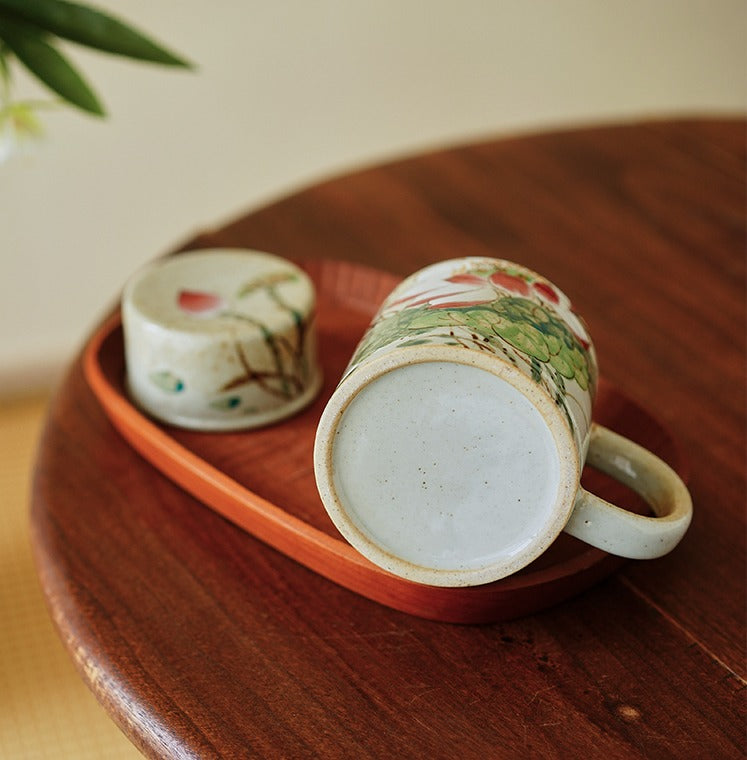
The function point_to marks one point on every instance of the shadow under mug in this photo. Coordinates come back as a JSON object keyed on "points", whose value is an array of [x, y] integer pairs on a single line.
{"points": [[451, 451]]}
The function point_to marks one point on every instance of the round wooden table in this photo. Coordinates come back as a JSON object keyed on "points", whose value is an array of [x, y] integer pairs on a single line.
{"points": [[201, 641]]}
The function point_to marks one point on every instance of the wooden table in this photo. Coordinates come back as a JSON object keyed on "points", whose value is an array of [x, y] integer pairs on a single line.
{"points": [[201, 641]]}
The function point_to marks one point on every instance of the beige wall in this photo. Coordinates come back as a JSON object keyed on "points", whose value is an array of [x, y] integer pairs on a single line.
{"points": [[289, 92]]}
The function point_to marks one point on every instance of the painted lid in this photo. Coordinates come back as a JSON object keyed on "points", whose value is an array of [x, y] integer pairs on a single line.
{"points": [[220, 339]]}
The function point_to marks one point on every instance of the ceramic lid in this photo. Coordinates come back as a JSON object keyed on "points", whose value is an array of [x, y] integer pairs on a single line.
{"points": [[220, 339]]}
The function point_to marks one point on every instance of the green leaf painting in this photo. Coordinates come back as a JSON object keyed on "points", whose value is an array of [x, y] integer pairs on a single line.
{"points": [[289, 374], [528, 327], [496, 310], [167, 381], [226, 404]]}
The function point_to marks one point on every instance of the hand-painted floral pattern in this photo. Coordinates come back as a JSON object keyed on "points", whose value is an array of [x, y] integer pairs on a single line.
{"points": [[167, 381], [495, 307], [290, 373], [198, 303]]}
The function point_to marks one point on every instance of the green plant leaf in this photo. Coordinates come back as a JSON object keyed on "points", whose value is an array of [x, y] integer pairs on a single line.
{"points": [[91, 28], [50, 66], [4, 73], [4, 68]]}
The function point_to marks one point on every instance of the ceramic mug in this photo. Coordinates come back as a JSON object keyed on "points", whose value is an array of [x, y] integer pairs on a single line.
{"points": [[451, 451]]}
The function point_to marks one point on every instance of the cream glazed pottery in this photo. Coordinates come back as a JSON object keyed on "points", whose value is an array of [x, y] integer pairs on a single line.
{"points": [[220, 339], [451, 451]]}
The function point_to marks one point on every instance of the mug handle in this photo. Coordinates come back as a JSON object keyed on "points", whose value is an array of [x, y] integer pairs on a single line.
{"points": [[615, 530]]}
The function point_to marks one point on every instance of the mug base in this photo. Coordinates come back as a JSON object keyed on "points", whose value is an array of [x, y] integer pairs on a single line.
{"points": [[445, 472]]}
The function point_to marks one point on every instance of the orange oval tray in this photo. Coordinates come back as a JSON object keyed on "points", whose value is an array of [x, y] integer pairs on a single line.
{"points": [[263, 480]]}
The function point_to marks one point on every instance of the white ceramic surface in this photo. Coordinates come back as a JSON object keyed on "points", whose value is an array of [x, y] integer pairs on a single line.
{"points": [[451, 451], [220, 339]]}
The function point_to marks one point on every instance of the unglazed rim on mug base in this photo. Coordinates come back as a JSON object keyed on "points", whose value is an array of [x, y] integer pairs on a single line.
{"points": [[362, 378], [248, 421]]}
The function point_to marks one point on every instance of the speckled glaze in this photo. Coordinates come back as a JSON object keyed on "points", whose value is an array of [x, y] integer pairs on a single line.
{"points": [[451, 451], [220, 339]]}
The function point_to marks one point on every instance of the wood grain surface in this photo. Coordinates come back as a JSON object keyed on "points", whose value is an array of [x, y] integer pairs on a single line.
{"points": [[203, 642]]}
